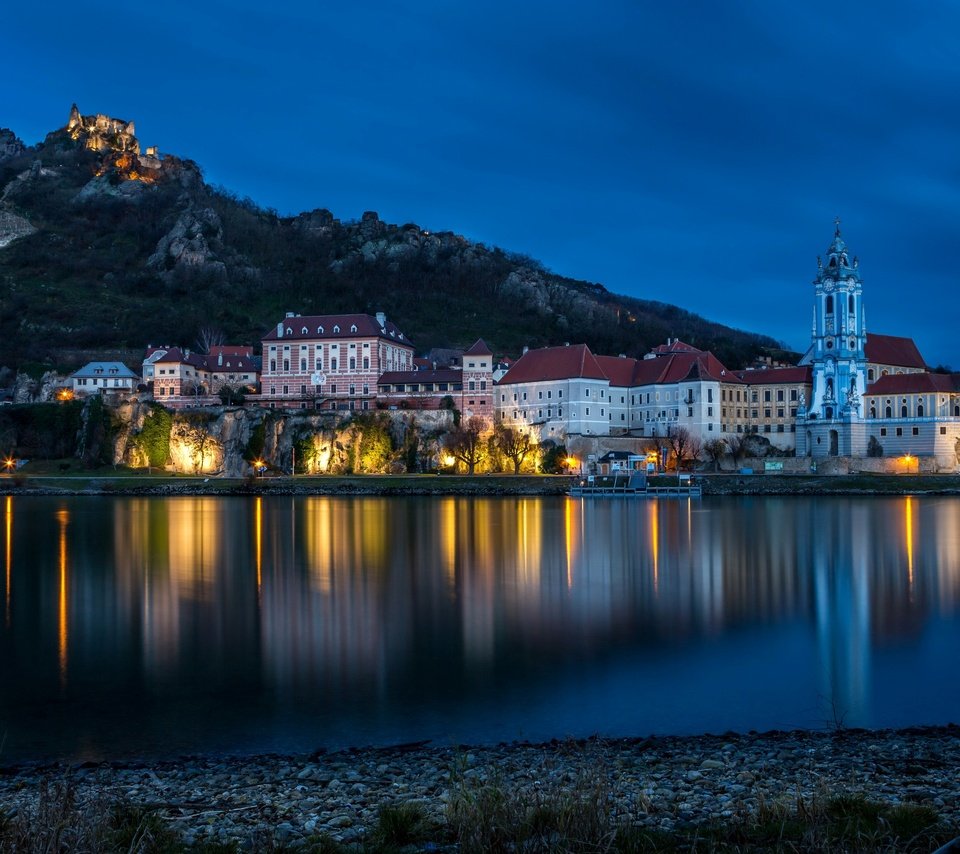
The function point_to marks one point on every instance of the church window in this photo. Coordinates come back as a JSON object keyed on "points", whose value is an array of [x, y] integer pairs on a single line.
{"points": [[919, 410], [956, 411], [888, 413], [903, 411], [850, 304], [870, 375], [830, 302], [873, 412]]}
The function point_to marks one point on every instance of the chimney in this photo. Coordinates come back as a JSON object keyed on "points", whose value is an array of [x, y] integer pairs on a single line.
{"points": [[290, 314], [566, 343], [525, 348], [279, 330], [623, 355], [381, 319]]}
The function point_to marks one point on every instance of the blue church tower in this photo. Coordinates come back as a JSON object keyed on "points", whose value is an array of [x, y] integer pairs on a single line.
{"points": [[837, 355]]}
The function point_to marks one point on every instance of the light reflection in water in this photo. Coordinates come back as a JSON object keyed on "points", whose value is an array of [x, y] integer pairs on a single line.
{"points": [[8, 553], [365, 619], [63, 518]]}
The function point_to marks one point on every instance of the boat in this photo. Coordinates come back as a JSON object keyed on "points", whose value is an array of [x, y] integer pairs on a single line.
{"points": [[633, 484]]}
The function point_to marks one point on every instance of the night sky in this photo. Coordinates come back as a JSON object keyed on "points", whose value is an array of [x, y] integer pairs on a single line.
{"points": [[691, 152]]}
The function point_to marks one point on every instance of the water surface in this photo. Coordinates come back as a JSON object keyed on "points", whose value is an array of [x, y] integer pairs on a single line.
{"points": [[159, 626]]}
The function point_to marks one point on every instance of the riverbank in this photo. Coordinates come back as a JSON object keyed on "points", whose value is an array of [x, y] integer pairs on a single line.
{"points": [[651, 794], [126, 482]]}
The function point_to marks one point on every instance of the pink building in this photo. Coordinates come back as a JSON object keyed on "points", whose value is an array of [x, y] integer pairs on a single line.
{"points": [[330, 361]]}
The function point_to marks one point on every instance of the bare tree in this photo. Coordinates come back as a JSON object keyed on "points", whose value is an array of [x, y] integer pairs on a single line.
{"points": [[466, 442], [715, 449], [208, 337], [514, 444], [735, 445], [685, 446]]}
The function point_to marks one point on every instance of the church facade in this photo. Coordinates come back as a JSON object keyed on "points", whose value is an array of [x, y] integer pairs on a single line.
{"points": [[871, 395]]}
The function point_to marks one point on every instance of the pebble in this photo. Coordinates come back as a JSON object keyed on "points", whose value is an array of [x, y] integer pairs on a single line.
{"points": [[658, 783]]}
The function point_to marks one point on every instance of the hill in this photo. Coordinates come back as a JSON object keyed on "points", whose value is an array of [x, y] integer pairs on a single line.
{"points": [[105, 247]]}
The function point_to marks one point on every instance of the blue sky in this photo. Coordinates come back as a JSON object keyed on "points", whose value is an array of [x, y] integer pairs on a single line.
{"points": [[691, 152]]}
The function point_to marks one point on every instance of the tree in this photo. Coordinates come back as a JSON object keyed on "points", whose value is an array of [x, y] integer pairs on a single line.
{"points": [[231, 396], [466, 442], [736, 447], [874, 448], [209, 337], [554, 460], [685, 446], [515, 445], [715, 449]]}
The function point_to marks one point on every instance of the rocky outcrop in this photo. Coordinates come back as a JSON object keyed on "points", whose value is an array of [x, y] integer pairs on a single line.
{"points": [[26, 389], [13, 227], [192, 243], [316, 223], [10, 145]]}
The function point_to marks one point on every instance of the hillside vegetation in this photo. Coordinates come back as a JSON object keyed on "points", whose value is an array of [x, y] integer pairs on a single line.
{"points": [[114, 250]]}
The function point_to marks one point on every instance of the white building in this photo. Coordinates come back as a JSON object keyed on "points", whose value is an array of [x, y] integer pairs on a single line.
{"points": [[100, 377]]}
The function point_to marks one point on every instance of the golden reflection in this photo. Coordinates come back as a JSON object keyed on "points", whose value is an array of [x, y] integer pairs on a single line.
{"points": [[654, 542], [319, 542], [63, 517], [258, 534], [568, 534], [908, 512], [9, 553], [448, 539], [194, 544]]}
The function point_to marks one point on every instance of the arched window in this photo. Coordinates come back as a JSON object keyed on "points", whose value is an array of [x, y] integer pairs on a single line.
{"points": [[336, 328], [850, 304], [888, 412], [870, 375], [830, 304], [903, 411], [919, 410], [319, 330], [353, 328], [829, 412], [956, 411], [873, 412], [303, 331]]}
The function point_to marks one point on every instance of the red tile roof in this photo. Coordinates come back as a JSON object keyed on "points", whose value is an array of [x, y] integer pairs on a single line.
{"points": [[479, 348], [230, 350], [367, 326], [619, 370], [554, 363], [915, 384], [893, 350], [676, 346], [763, 376]]}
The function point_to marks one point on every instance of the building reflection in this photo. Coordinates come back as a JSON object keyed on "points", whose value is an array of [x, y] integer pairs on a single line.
{"points": [[347, 600]]}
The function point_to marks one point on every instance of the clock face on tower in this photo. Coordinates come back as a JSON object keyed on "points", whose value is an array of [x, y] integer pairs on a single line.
{"points": [[829, 343]]}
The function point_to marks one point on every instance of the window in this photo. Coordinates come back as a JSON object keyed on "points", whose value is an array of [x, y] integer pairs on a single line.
{"points": [[286, 389], [709, 410], [366, 389], [303, 364], [919, 410], [829, 307], [353, 389], [303, 389], [903, 411], [336, 329], [754, 396], [560, 393], [333, 389], [766, 413], [943, 431], [273, 366], [766, 428], [689, 412], [793, 395], [709, 395], [587, 410], [916, 431], [333, 363], [899, 431], [779, 395], [780, 412]]}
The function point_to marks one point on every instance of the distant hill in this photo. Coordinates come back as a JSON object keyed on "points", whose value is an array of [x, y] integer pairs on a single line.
{"points": [[105, 247]]}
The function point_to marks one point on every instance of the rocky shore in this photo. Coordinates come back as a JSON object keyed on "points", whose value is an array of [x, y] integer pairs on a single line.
{"points": [[659, 784]]}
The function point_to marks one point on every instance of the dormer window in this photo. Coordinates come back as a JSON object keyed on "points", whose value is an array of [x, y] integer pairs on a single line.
{"points": [[319, 330], [289, 331], [353, 328], [303, 331], [336, 329]]}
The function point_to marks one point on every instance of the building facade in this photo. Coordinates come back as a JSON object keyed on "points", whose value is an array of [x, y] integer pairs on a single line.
{"points": [[330, 361]]}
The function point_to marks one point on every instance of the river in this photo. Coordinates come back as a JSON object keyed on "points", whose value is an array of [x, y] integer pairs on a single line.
{"points": [[162, 626]]}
